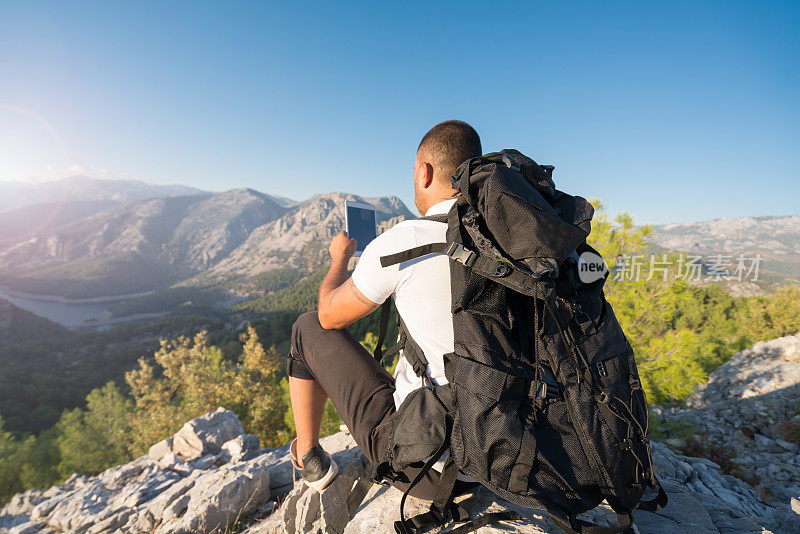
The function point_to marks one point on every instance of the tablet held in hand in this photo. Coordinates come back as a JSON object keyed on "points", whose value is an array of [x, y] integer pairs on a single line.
{"points": [[360, 223]]}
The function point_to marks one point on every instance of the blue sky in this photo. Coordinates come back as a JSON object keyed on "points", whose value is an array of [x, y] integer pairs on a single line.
{"points": [[672, 111]]}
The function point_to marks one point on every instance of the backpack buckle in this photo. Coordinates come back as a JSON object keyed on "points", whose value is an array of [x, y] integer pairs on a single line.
{"points": [[500, 270], [461, 254]]}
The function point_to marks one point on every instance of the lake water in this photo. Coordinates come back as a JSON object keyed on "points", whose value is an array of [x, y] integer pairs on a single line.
{"points": [[68, 314]]}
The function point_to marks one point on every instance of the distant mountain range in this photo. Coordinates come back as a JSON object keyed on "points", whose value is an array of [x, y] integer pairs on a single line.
{"points": [[89, 247], [776, 239], [88, 237], [28, 221], [15, 195]]}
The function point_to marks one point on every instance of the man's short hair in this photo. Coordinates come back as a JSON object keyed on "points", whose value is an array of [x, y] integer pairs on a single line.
{"points": [[447, 145]]}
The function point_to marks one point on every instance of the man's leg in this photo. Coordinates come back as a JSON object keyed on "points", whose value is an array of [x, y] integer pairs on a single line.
{"points": [[308, 405], [332, 362], [359, 387]]}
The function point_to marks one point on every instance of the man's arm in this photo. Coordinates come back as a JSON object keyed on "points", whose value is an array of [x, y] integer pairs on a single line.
{"points": [[340, 302]]}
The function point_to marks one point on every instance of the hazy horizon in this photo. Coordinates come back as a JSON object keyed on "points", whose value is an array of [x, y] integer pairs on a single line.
{"points": [[409, 205]]}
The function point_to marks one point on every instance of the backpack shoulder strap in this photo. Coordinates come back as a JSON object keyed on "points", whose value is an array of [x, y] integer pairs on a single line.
{"points": [[415, 252], [422, 250], [411, 351], [386, 311], [439, 217]]}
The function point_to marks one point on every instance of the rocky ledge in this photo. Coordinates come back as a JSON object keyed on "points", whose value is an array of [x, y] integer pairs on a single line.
{"points": [[212, 477], [205, 478], [748, 417], [702, 499]]}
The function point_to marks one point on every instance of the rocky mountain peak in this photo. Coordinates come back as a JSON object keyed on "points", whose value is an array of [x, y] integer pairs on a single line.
{"points": [[300, 237], [385, 206]]}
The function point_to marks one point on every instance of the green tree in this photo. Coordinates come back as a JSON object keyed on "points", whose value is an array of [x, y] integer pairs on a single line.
{"points": [[680, 332], [193, 378], [39, 462], [617, 235], [92, 440], [26, 463], [668, 356], [255, 390], [669, 366], [9, 468]]}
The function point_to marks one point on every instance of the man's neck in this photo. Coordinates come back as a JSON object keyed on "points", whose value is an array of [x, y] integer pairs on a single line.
{"points": [[439, 196]]}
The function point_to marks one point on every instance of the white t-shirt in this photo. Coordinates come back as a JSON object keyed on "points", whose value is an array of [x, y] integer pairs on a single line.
{"points": [[421, 289]]}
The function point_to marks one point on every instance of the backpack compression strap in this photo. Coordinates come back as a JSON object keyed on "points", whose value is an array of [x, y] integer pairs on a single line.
{"points": [[499, 271]]}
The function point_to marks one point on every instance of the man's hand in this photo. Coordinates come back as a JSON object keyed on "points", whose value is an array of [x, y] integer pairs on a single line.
{"points": [[340, 302], [342, 248]]}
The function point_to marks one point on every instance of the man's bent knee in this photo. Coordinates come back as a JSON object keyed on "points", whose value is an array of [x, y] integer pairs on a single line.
{"points": [[304, 330], [305, 327], [307, 321]]}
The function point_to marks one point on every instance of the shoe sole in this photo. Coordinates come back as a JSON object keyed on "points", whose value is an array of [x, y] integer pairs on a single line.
{"points": [[321, 484]]}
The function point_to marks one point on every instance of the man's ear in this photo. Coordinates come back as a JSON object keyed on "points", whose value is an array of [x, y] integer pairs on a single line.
{"points": [[427, 174]]}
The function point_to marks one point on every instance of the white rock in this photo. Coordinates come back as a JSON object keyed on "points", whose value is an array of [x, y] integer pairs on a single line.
{"points": [[161, 448], [238, 446], [23, 503], [207, 433], [168, 460], [206, 462], [157, 506], [219, 498], [142, 496], [26, 528], [305, 511], [186, 449], [113, 522]]}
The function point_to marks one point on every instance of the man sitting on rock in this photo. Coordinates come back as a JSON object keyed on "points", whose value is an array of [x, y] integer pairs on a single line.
{"points": [[326, 361]]}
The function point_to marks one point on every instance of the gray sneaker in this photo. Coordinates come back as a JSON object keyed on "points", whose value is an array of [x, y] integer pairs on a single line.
{"points": [[318, 469]]}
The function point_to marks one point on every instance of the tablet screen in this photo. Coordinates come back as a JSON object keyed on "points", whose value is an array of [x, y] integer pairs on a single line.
{"points": [[361, 226]]}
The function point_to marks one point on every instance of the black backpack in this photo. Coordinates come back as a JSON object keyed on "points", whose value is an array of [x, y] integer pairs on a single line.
{"points": [[544, 405]]}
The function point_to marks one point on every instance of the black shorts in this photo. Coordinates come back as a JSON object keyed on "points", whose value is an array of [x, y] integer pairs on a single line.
{"points": [[358, 386]]}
